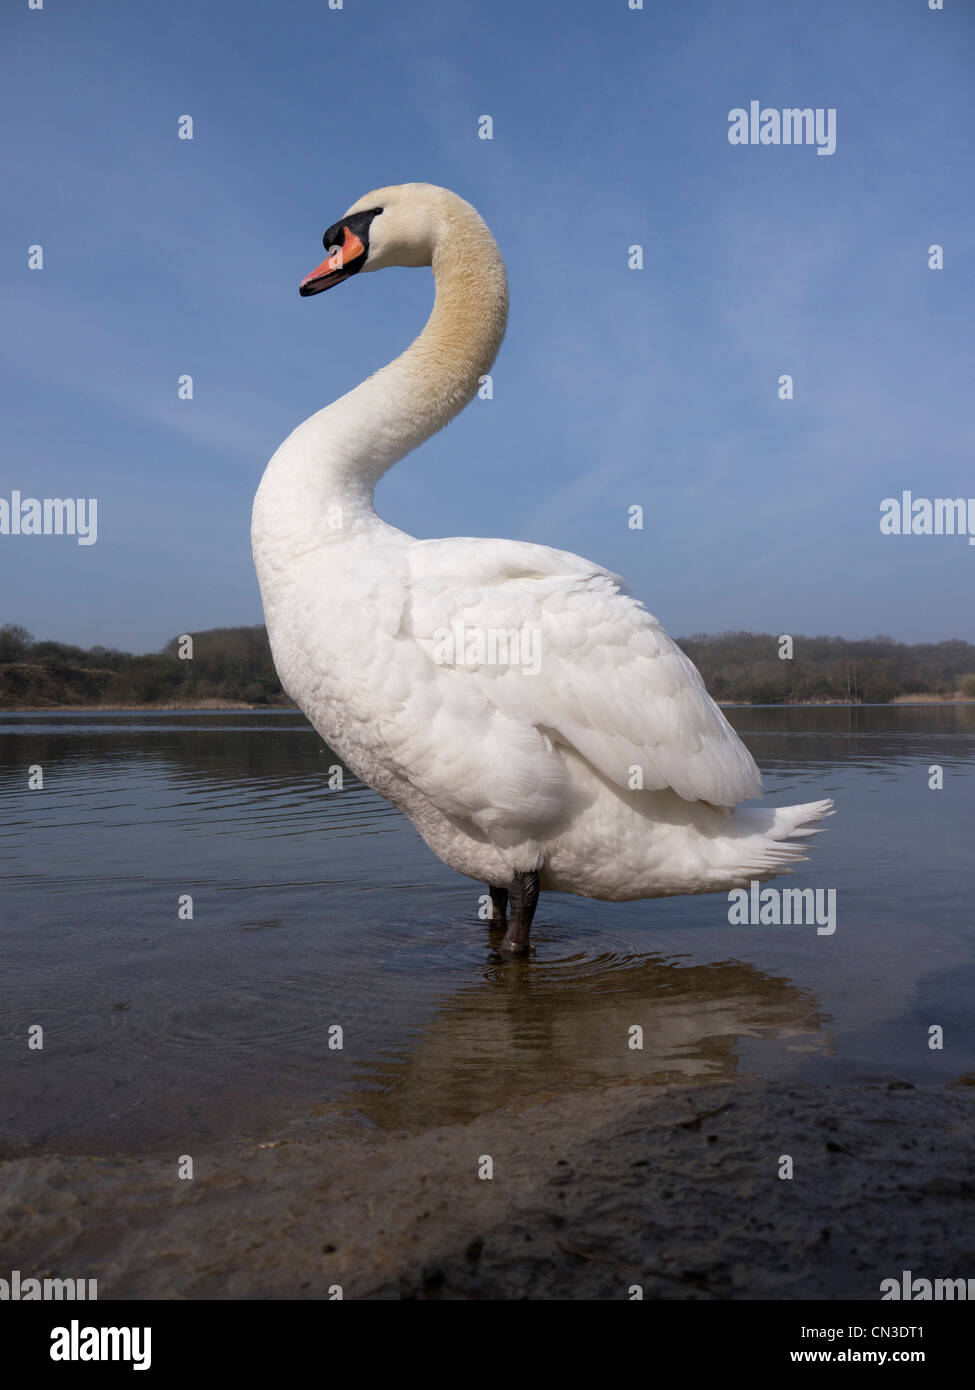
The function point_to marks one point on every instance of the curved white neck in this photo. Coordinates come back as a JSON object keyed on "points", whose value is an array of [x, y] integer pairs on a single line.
{"points": [[319, 485]]}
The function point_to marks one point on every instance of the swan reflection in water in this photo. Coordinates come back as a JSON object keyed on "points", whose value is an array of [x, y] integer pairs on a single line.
{"points": [[568, 1023]]}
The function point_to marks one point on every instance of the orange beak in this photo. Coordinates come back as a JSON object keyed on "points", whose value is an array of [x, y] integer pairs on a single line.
{"points": [[338, 265]]}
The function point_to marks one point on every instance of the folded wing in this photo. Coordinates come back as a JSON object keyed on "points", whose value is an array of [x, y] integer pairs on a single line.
{"points": [[575, 662]]}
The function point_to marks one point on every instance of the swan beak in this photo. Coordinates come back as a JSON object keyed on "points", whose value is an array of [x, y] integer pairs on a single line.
{"points": [[342, 261]]}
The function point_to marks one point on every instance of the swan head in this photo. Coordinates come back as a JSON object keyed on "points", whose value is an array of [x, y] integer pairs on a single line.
{"points": [[401, 225]]}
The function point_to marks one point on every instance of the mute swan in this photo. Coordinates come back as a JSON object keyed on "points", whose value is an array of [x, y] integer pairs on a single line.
{"points": [[523, 774]]}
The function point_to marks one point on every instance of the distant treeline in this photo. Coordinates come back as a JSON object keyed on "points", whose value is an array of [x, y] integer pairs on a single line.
{"points": [[233, 664], [745, 667], [227, 664]]}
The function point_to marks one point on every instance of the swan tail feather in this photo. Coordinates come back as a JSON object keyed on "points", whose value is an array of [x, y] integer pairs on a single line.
{"points": [[770, 840]]}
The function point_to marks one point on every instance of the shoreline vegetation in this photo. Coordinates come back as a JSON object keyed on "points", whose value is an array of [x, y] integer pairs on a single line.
{"points": [[231, 669]]}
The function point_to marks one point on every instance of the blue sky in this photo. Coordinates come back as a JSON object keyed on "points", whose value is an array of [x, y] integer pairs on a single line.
{"points": [[614, 387]]}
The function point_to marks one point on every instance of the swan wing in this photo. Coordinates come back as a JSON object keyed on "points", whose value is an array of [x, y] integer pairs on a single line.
{"points": [[595, 671]]}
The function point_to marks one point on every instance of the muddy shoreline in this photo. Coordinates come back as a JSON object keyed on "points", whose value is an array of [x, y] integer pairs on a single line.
{"points": [[675, 1190]]}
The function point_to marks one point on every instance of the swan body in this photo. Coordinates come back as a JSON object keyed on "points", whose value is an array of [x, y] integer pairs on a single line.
{"points": [[600, 766]]}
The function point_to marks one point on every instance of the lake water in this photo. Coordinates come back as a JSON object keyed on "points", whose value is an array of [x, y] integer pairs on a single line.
{"points": [[315, 907]]}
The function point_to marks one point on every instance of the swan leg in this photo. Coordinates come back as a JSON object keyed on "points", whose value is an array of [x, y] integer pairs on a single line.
{"points": [[499, 906], [523, 893]]}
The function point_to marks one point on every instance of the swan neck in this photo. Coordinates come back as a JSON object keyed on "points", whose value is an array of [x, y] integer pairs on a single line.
{"points": [[329, 466]]}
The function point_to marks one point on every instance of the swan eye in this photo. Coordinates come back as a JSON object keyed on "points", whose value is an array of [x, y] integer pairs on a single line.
{"points": [[375, 212]]}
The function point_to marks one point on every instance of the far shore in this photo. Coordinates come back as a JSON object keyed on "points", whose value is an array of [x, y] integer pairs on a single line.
{"points": [[206, 706], [179, 706]]}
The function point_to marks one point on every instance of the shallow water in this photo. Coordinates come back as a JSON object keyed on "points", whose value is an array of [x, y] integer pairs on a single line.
{"points": [[314, 908]]}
